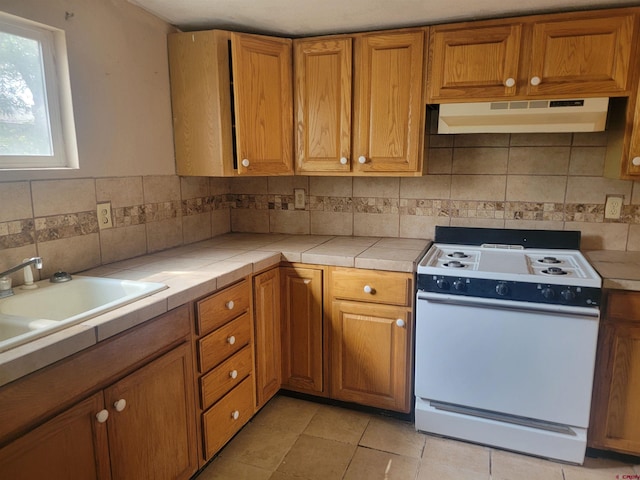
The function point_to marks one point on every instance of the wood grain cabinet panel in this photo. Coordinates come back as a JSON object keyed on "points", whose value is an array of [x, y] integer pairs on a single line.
{"points": [[615, 411], [268, 353], [217, 309], [224, 342], [359, 103], [73, 446], [302, 329], [370, 354], [582, 54], [232, 100]]}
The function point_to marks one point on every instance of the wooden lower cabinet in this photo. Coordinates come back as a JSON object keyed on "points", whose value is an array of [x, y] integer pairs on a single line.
{"points": [[149, 431], [73, 446], [371, 354], [615, 411], [266, 302], [302, 329]]}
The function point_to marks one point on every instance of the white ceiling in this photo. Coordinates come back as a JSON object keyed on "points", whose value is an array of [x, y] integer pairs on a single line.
{"points": [[296, 18]]}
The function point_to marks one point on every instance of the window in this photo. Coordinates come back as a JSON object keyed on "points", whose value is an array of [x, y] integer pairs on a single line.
{"points": [[36, 115]]}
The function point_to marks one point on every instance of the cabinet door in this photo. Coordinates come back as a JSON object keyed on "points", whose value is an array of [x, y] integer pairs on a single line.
{"points": [[631, 167], [71, 446], [153, 436], [371, 361], [262, 72], [584, 56], [302, 327], [388, 107], [473, 63], [615, 422], [323, 105], [201, 103], [266, 291]]}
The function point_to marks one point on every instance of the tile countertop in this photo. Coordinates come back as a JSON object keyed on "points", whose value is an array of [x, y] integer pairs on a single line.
{"points": [[619, 270], [195, 270]]}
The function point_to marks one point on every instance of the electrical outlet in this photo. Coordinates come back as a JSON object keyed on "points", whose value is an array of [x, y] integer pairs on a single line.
{"points": [[298, 198], [613, 207], [104, 215]]}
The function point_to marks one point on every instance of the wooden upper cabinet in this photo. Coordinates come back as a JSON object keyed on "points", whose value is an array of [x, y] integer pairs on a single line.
{"points": [[477, 62], [586, 54], [359, 103], [323, 104], [262, 70], [388, 101], [232, 100]]}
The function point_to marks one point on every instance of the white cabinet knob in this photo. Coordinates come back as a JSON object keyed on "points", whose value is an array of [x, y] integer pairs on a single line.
{"points": [[509, 82], [245, 162], [230, 305], [535, 81], [368, 289], [102, 416], [120, 405], [235, 414], [635, 162], [400, 323], [362, 159], [343, 161], [233, 374], [231, 340]]}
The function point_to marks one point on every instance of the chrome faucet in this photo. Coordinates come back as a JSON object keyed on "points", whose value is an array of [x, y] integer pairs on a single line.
{"points": [[5, 282]]}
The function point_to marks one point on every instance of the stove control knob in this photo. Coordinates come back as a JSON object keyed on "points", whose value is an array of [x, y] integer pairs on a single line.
{"points": [[459, 285], [442, 284], [502, 289], [548, 293], [568, 295]]}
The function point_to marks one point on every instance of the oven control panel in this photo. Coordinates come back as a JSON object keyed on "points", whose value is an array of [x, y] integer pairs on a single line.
{"points": [[509, 290]]}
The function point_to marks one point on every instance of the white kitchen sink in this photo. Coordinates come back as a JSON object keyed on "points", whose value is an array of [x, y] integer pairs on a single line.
{"points": [[31, 314]]}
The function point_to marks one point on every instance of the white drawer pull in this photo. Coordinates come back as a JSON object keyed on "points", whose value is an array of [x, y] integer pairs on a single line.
{"points": [[120, 405], [102, 416], [636, 161], [231, 340], [400, 323], [233, 374], [235, 414], [245, 162], [509, 82], [230, 305], [368, 289], [535, 81], [343, 161], [362, 159]]}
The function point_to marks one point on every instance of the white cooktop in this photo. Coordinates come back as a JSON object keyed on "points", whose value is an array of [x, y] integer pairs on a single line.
{"points": [[504, 262]]}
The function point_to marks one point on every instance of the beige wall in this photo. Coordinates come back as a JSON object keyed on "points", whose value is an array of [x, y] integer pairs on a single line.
{"points": [[120, 85]]}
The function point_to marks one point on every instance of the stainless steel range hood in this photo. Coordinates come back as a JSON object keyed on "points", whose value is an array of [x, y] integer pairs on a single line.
{"points": [[574, 115]]}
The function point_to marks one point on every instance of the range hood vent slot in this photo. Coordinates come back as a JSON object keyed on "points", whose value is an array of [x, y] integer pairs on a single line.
{"points": [[523, 116]]}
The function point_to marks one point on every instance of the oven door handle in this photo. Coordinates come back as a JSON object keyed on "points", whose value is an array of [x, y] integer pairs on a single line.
{"points": [[508, 304]]}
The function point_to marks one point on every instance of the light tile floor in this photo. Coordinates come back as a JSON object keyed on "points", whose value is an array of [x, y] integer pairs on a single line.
{"points": [[292, 439]]}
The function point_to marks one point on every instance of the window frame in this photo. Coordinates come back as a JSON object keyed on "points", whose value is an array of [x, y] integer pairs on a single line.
{"points": [[57, 86]]}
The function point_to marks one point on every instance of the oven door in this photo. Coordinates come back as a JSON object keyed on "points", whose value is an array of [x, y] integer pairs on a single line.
{"points": [[522, 359]]}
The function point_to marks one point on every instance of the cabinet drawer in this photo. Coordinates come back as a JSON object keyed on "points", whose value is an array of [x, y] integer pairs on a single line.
{"points": [[219, 423], [224, 377], [623, 306], [372, 286], [219, 308], [224, 342]]}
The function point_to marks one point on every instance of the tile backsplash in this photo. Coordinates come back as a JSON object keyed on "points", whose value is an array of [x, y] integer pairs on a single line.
{"points": [[541, 181]]}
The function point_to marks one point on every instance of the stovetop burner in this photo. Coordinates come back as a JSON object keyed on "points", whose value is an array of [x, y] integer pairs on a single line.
{"points": [[547, 260], [458, 255], [453, 264], [554, 271]]}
